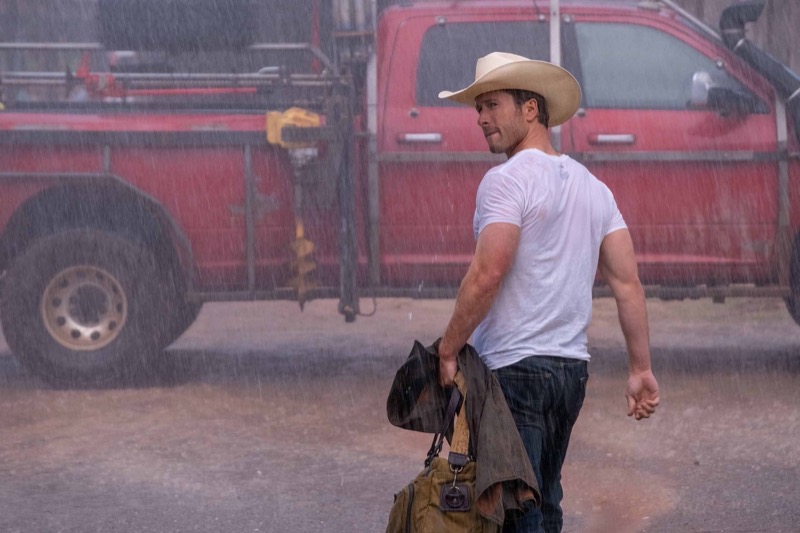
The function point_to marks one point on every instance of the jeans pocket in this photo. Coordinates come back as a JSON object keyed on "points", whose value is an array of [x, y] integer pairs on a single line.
{"points": [[577, 397], [528, 395]]}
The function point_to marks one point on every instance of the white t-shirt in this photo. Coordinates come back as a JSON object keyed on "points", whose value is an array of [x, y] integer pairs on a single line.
{"points": [[545, 303]]}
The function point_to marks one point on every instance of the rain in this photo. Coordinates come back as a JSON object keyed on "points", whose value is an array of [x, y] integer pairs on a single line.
{"points": [[224, 223]]}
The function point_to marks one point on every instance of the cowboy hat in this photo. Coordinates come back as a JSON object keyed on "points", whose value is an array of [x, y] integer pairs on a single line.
{"points": [[501, 70], [416, 400]]}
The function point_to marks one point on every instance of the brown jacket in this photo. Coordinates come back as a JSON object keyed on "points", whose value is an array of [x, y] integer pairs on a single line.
{"points": [[505, 481]]}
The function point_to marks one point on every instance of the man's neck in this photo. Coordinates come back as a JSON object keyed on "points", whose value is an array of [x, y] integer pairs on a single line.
{"points": [[538, 138]]}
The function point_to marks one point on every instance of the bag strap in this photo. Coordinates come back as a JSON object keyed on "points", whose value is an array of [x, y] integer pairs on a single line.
{"points": [[460, 442], [438, 438]]}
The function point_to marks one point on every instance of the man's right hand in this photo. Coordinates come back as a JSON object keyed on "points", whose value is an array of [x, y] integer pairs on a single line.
{"points": [[448, 366]]}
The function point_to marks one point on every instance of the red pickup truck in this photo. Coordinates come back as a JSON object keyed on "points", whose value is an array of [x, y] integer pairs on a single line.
{"points": [[227, 154]]}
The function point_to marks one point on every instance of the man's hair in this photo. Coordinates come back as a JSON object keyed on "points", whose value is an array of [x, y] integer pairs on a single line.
{"points": [[521, 96]]}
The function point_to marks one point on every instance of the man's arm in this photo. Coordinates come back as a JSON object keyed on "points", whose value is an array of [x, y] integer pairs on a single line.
{"points": [[618, 266], [494, 254]]}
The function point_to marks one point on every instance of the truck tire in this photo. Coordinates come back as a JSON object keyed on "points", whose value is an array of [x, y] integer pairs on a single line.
{"points": [[84, 308]]}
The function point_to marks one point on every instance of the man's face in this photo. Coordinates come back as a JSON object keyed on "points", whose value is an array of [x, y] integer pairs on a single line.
{"points": [[502, 122]]}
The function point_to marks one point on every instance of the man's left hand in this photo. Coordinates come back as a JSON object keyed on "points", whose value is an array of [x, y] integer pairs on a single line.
{"points": [[642, 394]]}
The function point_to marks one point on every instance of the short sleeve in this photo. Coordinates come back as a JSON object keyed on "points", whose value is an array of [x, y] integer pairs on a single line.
{"points": [[499, 199], [614, 220]]}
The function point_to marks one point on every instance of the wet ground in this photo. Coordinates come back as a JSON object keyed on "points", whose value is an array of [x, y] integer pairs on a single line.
{"points": [[274, 421]]}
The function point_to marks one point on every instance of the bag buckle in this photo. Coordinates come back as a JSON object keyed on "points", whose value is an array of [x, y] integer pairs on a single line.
{"points": [[456, 496], [457, 460]]}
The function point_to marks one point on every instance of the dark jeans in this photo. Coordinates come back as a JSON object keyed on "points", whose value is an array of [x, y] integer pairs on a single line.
{"points": [[545, 395]]}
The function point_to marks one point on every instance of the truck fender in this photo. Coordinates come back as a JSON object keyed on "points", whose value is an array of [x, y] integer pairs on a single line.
{"points": [[103, 201]]}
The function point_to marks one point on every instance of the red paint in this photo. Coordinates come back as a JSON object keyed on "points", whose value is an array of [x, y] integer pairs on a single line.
{"points": [[692, 221]]}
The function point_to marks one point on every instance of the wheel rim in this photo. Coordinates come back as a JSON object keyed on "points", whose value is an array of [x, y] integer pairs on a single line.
{"points": [[84, 308]]}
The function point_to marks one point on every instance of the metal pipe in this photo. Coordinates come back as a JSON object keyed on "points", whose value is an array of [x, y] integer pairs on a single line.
{"points": [[651, 291], [783, 237], [373, 174], [341, 13], [135, 80], [319, 54], [360, 14], [555, 58], [99, 47], [373, 167], [555, 32], [342, 117], [249, 214], [786, 83], [374, 22], [51, 46]]}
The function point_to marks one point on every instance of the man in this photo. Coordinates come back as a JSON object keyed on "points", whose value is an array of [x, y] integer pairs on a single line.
{"points": [[543, 224]]}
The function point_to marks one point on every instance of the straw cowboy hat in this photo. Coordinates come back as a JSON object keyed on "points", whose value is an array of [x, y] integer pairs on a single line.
{"points": [[501, 70]]}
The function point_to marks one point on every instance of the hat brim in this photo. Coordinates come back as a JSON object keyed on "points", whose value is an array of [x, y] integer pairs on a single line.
{"points": [[558, 87], [416, 400]]}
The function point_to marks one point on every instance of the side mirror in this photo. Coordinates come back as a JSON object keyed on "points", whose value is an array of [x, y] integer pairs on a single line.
{"points": [[706, 94], [701, 86]]}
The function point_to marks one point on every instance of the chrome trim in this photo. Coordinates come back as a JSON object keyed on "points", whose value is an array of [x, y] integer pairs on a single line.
{"points": [[651, 291], [724, 291], [440, 157], [420, 138], [613, 138], [593, 157], [670, 157]]}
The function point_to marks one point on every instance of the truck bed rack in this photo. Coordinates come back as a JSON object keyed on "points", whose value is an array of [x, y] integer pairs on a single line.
{"points": [[151, 82]]}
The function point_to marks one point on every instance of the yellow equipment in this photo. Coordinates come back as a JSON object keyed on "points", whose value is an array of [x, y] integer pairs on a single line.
{"points": [[302, 263], [294, 116], [302, 248]]}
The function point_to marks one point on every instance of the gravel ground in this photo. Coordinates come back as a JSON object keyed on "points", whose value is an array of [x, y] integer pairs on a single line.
{"points": [[274, 420]]}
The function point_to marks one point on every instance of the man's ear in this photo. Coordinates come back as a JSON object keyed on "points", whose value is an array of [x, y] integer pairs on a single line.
{"points": [[531, 108]]}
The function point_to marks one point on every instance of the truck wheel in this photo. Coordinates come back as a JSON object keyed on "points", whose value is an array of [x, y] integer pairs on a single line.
{"points": [[83, 307]]}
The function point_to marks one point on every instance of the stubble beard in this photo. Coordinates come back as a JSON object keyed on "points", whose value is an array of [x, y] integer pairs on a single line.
{"points": [[495, 147], [496, 150], [510, 139], [503, 148]]}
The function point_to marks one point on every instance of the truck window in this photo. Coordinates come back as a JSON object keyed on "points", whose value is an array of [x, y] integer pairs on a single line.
{"points": [[626, 66], [449, 52]]}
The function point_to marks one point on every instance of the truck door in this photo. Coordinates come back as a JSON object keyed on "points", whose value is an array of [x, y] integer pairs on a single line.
{"points": [[432, 153], [695, 183]]}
